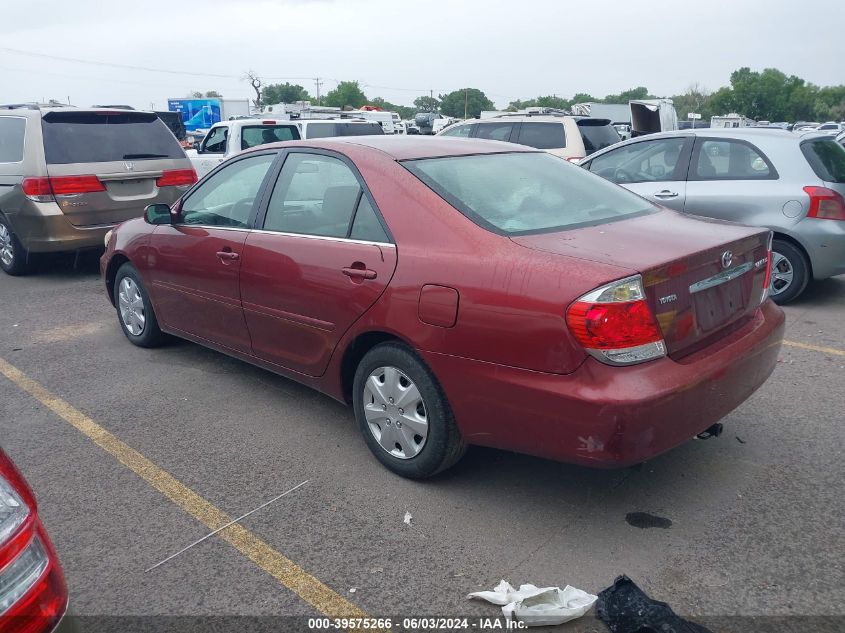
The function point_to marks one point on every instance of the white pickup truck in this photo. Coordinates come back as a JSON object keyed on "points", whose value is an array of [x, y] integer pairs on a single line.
{"points": [[227, 138]]}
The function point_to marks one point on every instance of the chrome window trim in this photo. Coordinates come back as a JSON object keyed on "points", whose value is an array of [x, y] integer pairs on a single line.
{"points": [[328, 238], [723, 277]]}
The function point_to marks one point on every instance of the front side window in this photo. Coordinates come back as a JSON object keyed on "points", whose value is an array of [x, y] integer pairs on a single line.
{"points": [[463, 131], [255, 135], [314, 195], [215, 142], [12, 131], [542, 135], [494, 131], [227, 197], [728, 159], [523, 193], [647, 161]]}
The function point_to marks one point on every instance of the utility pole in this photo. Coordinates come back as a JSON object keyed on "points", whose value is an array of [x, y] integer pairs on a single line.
{"points": [[466, 96], [318, 83]]}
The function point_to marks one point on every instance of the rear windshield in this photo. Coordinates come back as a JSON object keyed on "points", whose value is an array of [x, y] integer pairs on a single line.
{"points": [[542, 135], [827, 158], [522, 193], [325, 130], [74, 137], [597, 134], [255, 135]]}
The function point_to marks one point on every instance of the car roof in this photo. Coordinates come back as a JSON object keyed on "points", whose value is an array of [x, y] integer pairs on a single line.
{"points": [[401, 147], [524, 118]]}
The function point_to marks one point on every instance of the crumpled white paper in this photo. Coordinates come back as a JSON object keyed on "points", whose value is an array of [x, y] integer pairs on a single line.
{"points": [[538, 606]]}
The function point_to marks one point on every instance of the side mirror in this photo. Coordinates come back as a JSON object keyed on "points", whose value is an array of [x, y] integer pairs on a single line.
{"points": [[158, 214]]}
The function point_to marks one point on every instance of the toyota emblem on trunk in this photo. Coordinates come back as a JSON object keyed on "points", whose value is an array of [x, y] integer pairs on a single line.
{"points": [[727, 259], [129, 166]]}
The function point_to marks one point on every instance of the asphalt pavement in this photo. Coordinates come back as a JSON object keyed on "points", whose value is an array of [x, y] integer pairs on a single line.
{"points": [[737, 530]]}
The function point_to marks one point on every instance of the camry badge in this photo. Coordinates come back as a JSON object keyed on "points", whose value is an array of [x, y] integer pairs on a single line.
{"points": [[129, 166], [727, 259]]}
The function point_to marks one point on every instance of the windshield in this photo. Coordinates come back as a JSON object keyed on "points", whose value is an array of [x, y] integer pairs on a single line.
{"points": [[254, 135], [98, 137], [325, 130], [522, 193]]}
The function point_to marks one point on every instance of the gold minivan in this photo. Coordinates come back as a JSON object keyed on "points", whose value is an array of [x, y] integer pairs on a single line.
{"points": [[68, 175]]}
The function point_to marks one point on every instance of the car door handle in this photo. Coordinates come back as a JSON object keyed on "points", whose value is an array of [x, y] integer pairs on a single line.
{"points": [[228, 255], [360, 273], [666, 194]]}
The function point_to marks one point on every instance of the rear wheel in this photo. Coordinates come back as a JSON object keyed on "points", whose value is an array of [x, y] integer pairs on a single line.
{"points": [[134, 309], [13, 257], [790, 272], [403, 413]]}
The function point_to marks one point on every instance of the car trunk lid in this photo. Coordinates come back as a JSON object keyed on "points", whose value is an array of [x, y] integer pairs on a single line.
{"points": [[702, 278]]}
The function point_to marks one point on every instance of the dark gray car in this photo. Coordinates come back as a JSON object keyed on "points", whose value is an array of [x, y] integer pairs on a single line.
{"points": [[791, 183], [68, 175]]}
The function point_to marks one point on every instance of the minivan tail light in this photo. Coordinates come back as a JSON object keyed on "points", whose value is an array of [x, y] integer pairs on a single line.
{"points": [[615, 324], [72, 185], [176, 178], [43, 189], [825, 204]]}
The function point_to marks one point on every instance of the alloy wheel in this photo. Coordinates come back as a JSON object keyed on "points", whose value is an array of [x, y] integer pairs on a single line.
{"points": [[7, 254], [131, 306], [395, 412], [782, 274]]}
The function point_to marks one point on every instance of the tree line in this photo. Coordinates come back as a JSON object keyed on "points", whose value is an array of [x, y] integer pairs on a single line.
{"points": [[769, 94]]}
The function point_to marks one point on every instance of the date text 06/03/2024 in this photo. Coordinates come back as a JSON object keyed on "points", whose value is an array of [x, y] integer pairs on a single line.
{"points": [[415, 624]]}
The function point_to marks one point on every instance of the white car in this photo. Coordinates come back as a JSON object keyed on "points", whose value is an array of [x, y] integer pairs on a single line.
{"points": [[227, 138]]}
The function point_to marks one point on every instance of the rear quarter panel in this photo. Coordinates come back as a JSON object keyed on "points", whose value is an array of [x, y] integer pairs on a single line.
{"points": [[512, 300]]}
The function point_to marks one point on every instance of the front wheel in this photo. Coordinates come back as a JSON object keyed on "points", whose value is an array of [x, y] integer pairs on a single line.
{"points": [[403, 413], [790, 272], [134, 309]]}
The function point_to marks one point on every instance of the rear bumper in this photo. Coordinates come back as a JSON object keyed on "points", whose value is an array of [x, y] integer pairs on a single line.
{"points": [[54, 233], [606, 416], [825, 244]]}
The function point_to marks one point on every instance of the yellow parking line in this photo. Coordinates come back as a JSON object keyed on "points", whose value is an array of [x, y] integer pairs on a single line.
{"points": [[816, 348], [288, 573]]}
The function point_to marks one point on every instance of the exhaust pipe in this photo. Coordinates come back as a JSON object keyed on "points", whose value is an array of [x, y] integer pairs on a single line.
{"points": [[711, 431]]}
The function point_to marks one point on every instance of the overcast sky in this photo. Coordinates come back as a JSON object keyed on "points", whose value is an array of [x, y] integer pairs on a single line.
{"points": [[400, 50]]}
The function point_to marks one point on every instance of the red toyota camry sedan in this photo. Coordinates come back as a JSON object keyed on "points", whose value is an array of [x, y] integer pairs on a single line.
{"points": [[459, 292]]}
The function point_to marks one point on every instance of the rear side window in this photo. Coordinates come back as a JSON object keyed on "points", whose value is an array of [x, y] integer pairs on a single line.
{"points": [[542, 135], [463, 131], [521, 193], [827, 158], [255, 135], [366, 225], [494, 131], [93, 137], [12, 131], [326, 130], [730, 159], [597, 134]]}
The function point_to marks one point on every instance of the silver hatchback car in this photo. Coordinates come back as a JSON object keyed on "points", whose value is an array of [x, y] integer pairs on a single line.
{"points": [[790, 183]]}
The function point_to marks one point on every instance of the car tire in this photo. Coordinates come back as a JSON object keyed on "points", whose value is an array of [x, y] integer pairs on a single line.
{"points": [[429, 417], [790, 272], [134, 309], [14, 260]]}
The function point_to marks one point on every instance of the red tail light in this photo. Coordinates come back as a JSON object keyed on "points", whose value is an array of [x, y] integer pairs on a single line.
{"points": [[615, 324], [43, 189], [33, 593], [825, 204], [176, 178]]}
